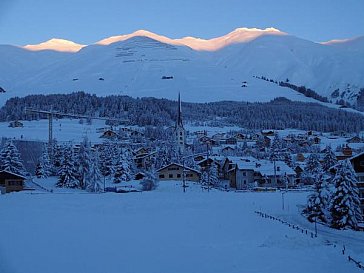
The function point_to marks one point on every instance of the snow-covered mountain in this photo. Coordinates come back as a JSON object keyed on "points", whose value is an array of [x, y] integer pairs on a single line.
{"points": [[147, 64]]}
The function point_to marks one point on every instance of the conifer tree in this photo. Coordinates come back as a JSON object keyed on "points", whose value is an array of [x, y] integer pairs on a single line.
{"points": [[10, 159], [93, 177], [319, 200], [150, 181], [67, 173], [312, 169], [83, 162], [122, 172], [43, 168], [329, 159], [345, 205]]}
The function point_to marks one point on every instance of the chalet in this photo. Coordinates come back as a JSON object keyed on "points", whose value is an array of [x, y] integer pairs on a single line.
{"points": [[15, 124], [267, 133], [143, 158], [240, 137], [109, 134], [204, 140], [227, 150], [175, 171], [200, 134], [218, 136], [11, 181], [316, 140], [249, 172], [345, 153], [230, 141], [206, 163], [358, 164], [354, 139]]}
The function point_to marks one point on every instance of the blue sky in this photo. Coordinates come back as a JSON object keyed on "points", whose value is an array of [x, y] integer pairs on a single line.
{"points": [[87, 21]]}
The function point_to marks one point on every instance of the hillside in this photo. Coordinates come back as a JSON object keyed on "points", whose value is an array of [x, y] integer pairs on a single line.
{"points": [[147, 64]]}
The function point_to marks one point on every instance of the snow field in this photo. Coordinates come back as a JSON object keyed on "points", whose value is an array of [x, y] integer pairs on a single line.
{"points": [[161, 231]]}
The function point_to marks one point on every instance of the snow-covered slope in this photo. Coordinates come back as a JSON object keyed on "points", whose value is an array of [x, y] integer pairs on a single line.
{"points": [[147, 64]]}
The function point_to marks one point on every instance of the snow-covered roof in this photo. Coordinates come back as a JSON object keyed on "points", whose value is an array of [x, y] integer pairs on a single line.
{"points": [[265, 167], [15, 174], [179, 165]]}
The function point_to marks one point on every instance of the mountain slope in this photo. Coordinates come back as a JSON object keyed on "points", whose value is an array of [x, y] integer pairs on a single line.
{"points": [[147, 64]]}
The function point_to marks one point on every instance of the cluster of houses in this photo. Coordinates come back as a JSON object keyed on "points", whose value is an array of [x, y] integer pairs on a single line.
{"points": [[237, 172]]}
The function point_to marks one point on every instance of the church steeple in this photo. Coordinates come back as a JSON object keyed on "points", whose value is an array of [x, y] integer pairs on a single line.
{"points": [[179, 130], [179, 113]]}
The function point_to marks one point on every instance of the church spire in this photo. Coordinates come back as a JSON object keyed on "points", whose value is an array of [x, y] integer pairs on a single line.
{"points": [[179, 114]]}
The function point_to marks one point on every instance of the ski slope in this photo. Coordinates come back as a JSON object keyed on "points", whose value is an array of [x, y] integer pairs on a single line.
{"points": [[161, 231]]}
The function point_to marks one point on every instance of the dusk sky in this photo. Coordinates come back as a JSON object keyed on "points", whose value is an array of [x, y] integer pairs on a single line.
{"points": [[87, 21]]}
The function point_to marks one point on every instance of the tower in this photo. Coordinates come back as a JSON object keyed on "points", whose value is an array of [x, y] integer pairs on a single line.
{"points": [[179, 129]]}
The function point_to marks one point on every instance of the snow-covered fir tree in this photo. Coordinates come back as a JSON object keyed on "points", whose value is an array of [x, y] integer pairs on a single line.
{"points": [[84, 162], [44, 166], [67, 172], [122, 172], [329, 159], [93, 177], [345, 204], [318, 202], [106, 159], [214, 175], [150, 181], [312, 169], [10, 159]]}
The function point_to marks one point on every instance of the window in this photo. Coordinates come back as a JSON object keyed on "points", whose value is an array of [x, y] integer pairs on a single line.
{"points": [[180, 133], [15, 183], [161, 176], [244, 182], [278, 168], [2, 182], [244, 173], [180, 138], [170, 175], [361, 163], [178, 175]]}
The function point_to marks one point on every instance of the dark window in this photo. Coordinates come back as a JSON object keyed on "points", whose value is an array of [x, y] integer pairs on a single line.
{"points": [[178, 175], [362, 163], [170, 175], [244, 173], [278, 168], [180, 133], [161, 176]]}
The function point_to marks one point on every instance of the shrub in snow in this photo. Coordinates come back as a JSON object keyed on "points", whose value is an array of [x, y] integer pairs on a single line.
{"points": [[149, 182], [345, 203]]}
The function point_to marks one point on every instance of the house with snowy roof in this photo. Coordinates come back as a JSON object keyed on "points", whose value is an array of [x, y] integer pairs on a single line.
{"points": [[11, 181], [249, 172], [174, 171]]}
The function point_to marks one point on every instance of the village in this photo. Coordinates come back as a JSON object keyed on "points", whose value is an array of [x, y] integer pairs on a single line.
{"points": [[234, 160]]}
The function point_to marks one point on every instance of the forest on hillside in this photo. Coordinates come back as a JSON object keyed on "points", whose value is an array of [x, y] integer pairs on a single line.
{"points": [[279, 113]]}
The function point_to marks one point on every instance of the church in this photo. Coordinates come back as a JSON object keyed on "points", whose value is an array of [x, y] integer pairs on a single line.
{"points": [[179, 130]]}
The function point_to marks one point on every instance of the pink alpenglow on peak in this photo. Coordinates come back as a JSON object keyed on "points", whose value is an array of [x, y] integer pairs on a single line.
{"points": [[56, 45], [239, 35]]}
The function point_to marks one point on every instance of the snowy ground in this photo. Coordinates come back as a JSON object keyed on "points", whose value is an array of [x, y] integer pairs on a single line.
{"points": [[164, 231]]}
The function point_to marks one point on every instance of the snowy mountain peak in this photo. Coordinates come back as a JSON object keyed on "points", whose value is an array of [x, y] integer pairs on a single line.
{"points": [[239, 35], [56, 45]]}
